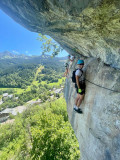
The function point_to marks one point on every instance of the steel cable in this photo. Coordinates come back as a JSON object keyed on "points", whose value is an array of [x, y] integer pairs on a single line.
{"points": [[102, 86]]}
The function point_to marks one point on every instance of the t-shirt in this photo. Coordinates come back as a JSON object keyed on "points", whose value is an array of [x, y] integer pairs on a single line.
{"points": [[72, 58], [69, 62], [80, 74]]}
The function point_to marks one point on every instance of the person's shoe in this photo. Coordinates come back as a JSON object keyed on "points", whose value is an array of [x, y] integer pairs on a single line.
{"points": [[78, 110], [75, 107]]}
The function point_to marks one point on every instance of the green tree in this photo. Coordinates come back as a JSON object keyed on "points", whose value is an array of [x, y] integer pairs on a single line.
{"points": [[41, 132], [34, 89], [49, 45], [1, 92]]}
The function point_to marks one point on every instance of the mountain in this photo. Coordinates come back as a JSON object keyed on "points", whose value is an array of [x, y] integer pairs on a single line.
{"points": [[6, 54], [9, 55]]}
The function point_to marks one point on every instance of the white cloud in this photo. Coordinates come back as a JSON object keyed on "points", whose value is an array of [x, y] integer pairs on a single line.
{"points": [[26, 52], [16, 52]]}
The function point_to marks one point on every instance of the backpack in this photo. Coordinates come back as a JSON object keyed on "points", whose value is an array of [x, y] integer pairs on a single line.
{"points": [[73, 75]]}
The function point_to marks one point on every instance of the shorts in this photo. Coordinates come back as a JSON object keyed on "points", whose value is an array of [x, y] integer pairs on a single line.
{"points": [[66, 65], [82, 87]]}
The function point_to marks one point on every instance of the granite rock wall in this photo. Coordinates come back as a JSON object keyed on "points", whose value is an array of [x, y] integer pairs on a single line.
{"points": [[98, 128]]}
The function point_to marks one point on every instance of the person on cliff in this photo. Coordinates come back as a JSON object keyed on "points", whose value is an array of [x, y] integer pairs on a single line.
{"points": [[68, 64], [79, 85]]}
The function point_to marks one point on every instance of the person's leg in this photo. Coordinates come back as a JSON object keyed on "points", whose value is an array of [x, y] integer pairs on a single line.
{"points": [[80, 99], [76, 100], [66, 72]]}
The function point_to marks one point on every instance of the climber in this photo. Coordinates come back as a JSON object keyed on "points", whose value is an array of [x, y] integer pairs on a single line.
{"points": [[79, 85], [71, 61], [68, 64]]}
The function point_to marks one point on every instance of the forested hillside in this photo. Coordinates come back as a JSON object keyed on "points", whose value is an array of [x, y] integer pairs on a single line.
{"points": [[19, 72], [42, 132], [27, 79]]}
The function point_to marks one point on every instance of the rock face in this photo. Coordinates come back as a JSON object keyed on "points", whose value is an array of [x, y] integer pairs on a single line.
{"points": [[98, 129], [90, 28]]}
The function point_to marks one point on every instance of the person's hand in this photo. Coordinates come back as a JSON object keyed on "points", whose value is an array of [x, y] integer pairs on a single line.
{"points": [[79, 90]]}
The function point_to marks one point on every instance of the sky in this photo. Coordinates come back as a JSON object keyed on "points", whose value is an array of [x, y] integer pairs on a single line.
{"points": [[17, 39]]}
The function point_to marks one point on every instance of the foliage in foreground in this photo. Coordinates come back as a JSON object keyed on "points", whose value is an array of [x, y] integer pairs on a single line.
{"points": [[40, 133], [49, 45]]}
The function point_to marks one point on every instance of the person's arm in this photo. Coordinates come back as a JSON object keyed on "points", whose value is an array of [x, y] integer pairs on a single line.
{"points": [[78, 84], [78, 74], [77, 81]]}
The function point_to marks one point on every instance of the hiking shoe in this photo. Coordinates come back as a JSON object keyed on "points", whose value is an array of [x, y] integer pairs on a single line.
{"points": [[78, 110]]}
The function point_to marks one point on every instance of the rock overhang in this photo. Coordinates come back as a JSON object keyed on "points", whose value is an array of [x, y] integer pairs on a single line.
{"points": [[87, 27]]}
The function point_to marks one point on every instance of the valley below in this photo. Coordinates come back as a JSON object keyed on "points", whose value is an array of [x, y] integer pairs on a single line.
{"points": [[16, 100], [33, 113]]}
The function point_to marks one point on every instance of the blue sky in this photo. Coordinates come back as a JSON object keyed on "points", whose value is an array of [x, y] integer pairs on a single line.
{"points": [[17, 39]]}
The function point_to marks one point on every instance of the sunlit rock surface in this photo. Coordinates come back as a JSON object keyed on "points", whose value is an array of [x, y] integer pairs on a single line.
{"points": [[98, 129], [90, 28]]}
